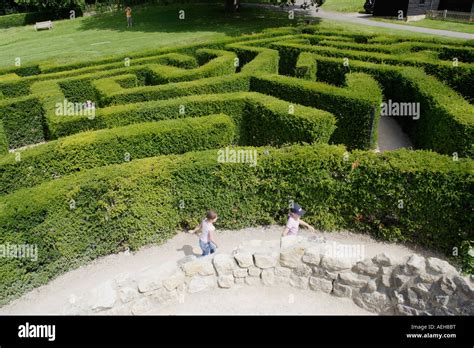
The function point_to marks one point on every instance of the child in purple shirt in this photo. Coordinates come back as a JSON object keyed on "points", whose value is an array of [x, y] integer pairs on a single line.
{"points": [[294, 221]]}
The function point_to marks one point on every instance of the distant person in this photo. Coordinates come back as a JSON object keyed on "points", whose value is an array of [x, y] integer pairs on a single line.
{"points": [[128, 13], [207, 240], [294, 221]]}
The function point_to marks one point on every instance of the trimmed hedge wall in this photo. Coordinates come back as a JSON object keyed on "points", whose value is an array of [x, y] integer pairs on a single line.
{"points": [[357, 113], [112, 94], [109, 146], [23, 121], [463, 54], [116, 67], [130, 205], [14, 89], [460, 78], [215, 63], [264, 121], [19, 19], [255, 59], [306, 66], [319, 129], [3, 140], [446, 124], [79, 90], [267, 121], [121, 115]]}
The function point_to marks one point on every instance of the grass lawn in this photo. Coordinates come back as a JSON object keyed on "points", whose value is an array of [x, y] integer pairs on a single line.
{"points": [[436, 24], [154, 26], [344, 5]]}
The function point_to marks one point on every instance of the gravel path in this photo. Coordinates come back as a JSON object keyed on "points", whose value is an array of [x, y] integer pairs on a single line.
{"points": [[54, 297]]}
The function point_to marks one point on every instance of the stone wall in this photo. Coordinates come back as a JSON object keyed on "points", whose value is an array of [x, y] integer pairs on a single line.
{"points": [[383, 284]]}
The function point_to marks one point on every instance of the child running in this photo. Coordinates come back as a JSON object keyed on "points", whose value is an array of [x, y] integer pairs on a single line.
{"points": [[207, 240], [294, 221]]}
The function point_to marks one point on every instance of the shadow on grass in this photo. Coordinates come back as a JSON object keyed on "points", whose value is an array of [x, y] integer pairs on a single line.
{"points": [[204, 17]]}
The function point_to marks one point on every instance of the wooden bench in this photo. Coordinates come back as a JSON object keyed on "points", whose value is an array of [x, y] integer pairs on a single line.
{"points": [[44, 25]]}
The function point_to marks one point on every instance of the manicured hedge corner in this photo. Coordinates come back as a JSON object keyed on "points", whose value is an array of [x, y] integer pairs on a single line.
{"points": [[112, 213], [356, 110], [3, 140], [212, 63], [256, 59], [23, 121], [368, 89], [416, 196]]}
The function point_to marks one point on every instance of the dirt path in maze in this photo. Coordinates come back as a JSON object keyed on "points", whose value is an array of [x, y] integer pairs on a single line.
{"points": [[53, 298]]}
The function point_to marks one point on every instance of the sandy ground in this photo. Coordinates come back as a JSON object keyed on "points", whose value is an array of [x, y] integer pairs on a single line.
{"points": [[53, 297]]}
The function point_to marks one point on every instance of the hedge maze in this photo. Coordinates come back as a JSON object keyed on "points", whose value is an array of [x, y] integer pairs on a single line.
{"points": [[113, 154]]}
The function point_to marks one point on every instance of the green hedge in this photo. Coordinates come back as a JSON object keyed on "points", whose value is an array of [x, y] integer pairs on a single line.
{"points": [[19, 19], [145, 201], [232, 104], [121, 115], [112, 94], [463, 54], [128, 81], [445, 52], [114, 67], [13, 20], [3, 140], [306, 66], [15, 89], [357, 113], [268, 121], [214, 63], [255, 59], [79, 90], [446, 124], [263, 121], [266, 61], [23, 121], [109, 146], [461, 80]]}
